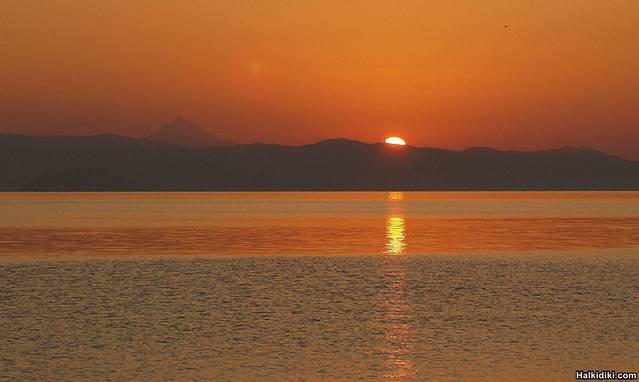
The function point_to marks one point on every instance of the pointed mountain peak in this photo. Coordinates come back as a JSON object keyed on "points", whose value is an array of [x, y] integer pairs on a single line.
{"points": [[186, 133]]}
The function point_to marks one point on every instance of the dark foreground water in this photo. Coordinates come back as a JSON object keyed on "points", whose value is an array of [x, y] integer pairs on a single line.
{"points": [[471, 288], [318, 318]]}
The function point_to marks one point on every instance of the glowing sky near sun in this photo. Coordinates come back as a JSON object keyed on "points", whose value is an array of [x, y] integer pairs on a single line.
{"points": [[444, 73]]}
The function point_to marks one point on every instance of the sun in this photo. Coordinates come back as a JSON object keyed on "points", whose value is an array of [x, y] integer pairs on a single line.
{"points": [[395, 141]]}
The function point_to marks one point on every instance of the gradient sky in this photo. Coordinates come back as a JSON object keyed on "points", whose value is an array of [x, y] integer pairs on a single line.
{"points": [[439, 73]]}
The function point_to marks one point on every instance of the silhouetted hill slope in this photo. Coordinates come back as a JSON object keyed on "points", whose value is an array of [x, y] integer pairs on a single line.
{"points": [[80, 179], [186, 133], [117, 163]]}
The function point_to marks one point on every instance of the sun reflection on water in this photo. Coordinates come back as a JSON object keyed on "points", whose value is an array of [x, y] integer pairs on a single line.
{"points": [[395, 225], [395, 235], [396, 196], [398, 321], [398, 337]]}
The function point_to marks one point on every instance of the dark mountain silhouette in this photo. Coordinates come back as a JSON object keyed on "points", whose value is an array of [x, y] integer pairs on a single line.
{"points": [[186, 133], [109, 162], [80, 179]]}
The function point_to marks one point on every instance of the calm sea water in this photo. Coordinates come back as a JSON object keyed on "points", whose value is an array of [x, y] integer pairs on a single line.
{"points": [[318, 286]]}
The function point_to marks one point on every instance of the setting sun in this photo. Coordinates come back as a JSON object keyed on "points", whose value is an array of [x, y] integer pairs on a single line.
{"points": [[395, 141]]}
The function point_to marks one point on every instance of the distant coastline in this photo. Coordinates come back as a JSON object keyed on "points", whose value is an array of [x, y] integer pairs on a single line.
{"points": [[116, 163]]}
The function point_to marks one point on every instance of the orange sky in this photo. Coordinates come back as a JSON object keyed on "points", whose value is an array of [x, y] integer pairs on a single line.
{"points": [[440, 73]]}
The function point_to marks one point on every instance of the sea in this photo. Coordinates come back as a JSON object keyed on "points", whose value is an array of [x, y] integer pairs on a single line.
{"points": [[318, 286]]}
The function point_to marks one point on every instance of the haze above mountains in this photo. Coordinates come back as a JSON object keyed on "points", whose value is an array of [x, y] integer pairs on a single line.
{"points": [[181, 156]]}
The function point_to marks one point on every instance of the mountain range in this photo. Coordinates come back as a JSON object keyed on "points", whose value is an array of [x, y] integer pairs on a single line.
{"points": [[110, 162]]}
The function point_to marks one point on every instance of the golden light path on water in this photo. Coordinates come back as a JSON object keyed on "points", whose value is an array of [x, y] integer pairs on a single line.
{"points": [[398, 349], [395, 225], [395, 235]]}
